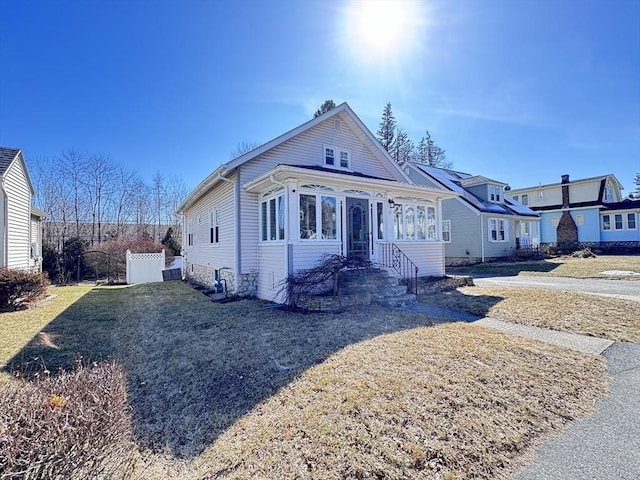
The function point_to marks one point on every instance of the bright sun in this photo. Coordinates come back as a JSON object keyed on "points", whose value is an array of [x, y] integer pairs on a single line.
{"points": [[382, 28]]}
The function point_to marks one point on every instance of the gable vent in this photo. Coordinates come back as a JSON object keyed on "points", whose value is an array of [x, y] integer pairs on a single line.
{"points": [[337, 124]]}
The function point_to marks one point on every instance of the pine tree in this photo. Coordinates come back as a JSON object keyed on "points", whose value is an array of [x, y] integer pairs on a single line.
{"points": [[324, 108], [386, 132], [636, 193], [403, 149], [428, 153]]}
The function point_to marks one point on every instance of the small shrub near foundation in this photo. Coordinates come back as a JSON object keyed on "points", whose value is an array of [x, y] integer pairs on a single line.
{"points": [[18, 287], [70, 425]]}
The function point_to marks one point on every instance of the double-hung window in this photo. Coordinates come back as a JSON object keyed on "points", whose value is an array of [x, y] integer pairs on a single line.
{"points": [[498, 231], [190, 233], [617, 218], [495, 193], [606, 222], [525, 199], [318, 217], [446, 231], [214, 232], [337, 157], [631, 221], [272, 219]]}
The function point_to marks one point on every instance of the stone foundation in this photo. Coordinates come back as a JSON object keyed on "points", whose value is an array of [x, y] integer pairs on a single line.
{"points": [[461, 261], [247, 284], [332, 304], [202, 274]]}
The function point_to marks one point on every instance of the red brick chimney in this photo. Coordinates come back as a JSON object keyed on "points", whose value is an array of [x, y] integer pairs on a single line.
{"points": [[565, 191]]}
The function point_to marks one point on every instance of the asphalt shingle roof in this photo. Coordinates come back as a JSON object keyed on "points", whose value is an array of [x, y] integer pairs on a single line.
{"points": [[7, 155]]}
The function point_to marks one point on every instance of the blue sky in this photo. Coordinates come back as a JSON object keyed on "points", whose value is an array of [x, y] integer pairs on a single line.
{"points": [[519, 91]]}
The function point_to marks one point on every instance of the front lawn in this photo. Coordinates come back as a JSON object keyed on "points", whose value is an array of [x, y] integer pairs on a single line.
{"points": [[613, 318], [559, 267], [239, 390]]}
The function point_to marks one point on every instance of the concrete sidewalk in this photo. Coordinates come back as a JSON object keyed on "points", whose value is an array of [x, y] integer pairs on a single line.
{"points": [[574, 341]]}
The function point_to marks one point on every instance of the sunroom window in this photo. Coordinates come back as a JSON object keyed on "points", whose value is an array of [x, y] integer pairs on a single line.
{"points": [[318, 214], [272, 219], [414, 222]]}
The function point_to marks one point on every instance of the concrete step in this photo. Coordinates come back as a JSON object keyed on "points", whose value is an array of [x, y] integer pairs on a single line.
{"points": [[390, 291]]}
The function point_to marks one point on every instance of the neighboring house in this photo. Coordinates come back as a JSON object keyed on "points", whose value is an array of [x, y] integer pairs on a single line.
{"points": [[482, 223], [585, 211], [325, 187], [20, 223]]}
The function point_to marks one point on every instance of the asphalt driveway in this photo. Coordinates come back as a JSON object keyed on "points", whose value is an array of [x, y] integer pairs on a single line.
{"points": [[606, 445], [626, 289]]}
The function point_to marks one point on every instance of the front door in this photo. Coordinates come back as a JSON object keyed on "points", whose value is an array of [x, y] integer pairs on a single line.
{"points": [[357, 227]]}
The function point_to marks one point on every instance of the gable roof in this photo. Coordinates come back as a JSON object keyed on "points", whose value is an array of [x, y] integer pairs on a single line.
{"points": [[457, 181], [343, 110], [7, 156]]}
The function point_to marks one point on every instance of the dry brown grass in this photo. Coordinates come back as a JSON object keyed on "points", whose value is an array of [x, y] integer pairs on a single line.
{"points": [[453, 401], [252, 392], [560, 267], [615, 319]]}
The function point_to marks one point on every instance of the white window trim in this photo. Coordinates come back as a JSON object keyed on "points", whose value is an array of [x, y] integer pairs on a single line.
{"points": [[318, 196], [635, 220], [214, 227], [404, 223], [446, 222], [496, 194], [608, 221], [337, 156], [266, 200], [499, 221], [524, 199], [615, 224]]}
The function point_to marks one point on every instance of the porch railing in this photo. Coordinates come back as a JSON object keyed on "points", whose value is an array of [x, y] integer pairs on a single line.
{"points": [[392, 257]]}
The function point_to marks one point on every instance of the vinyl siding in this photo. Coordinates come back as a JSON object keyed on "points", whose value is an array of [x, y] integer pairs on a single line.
{"points": [[203, 252], [3, 230], [18, 216], [308, 254], [499, 249], [428, 257], [249, 221], [271, 270], [465, 230]]}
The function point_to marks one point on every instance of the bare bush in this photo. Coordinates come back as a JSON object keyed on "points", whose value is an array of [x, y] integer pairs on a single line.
{"points": [[116, 253], [322, 278], [18, 287], [71, 425]]}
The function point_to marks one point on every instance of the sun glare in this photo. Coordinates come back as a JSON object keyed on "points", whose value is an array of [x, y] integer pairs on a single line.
{"points": [[382, 28]]}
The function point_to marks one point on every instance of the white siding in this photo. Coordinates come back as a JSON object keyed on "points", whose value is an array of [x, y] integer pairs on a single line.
{"points": [[203, 252], [428, 257], [3, 232], [499, 249], [308, 254], [18, 216], [249, 230], [271, 270]]}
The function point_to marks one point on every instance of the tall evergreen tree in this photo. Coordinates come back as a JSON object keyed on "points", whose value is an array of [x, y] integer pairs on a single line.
{"points": [[325, 107], [636, 193], [386, 132], [402, 148], [428, 153]]}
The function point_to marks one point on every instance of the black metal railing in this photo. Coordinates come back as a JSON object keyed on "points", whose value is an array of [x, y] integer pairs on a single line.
{"points": [[392, 257]]}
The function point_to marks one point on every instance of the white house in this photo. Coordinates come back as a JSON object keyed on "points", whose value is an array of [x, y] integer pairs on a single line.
{"points": [[326, 186], [20, 223], [483, 222]]}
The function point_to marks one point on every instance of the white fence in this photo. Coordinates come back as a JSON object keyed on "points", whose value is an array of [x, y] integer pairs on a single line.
{"points": [[144, 267]]}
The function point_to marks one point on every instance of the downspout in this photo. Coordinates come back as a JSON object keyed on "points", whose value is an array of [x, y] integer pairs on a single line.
{"points": [[482, 236], [236, 229], [5, 224]]}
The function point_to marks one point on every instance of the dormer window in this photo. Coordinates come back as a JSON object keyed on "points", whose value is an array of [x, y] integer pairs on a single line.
{"points": [[495, 193], [337, 157]]}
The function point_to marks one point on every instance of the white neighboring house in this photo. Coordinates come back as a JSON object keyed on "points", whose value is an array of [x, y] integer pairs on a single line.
{"points": [[326, 186], [483, 223], [20, 222]]}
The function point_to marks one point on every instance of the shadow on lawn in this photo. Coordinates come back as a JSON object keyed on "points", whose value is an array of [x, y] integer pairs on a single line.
{"points": [[194, 367], [506, 269]]}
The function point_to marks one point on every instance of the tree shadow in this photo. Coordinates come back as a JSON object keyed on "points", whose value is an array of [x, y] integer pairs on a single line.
{"points": [[503, 269], [195, 367]]}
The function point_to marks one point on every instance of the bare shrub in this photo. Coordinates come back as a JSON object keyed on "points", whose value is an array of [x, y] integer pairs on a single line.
{"points": [[323, 277], [117, 254], [71, 425], [18, 287]]}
